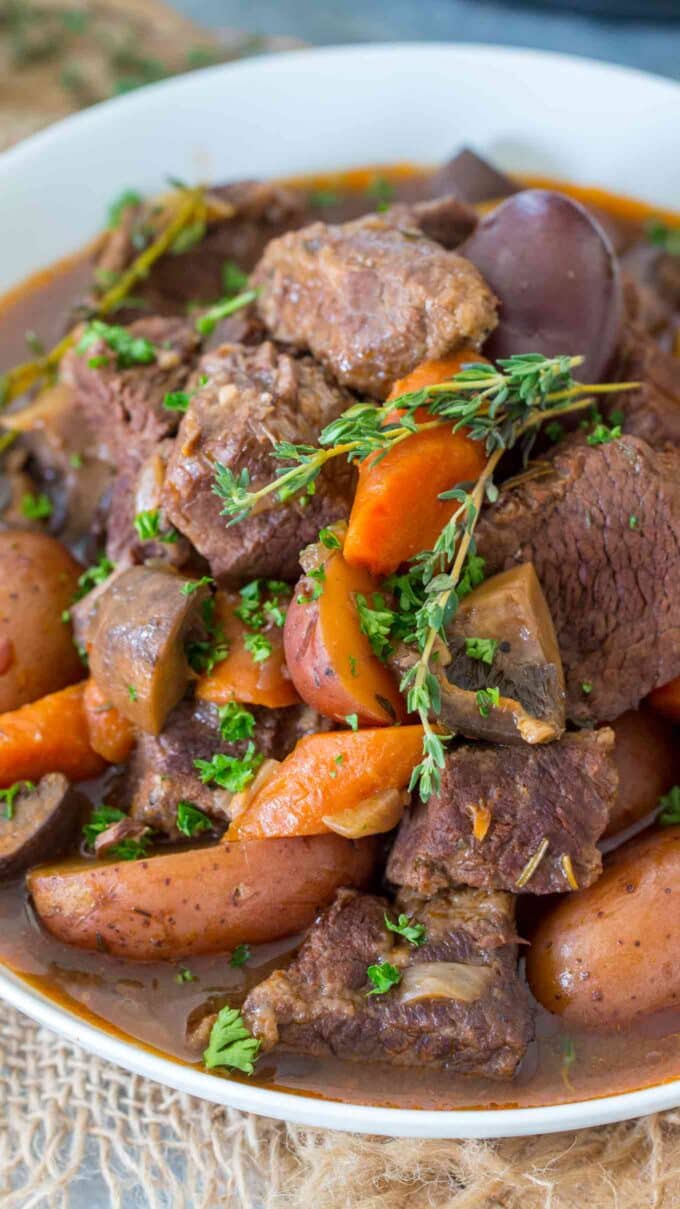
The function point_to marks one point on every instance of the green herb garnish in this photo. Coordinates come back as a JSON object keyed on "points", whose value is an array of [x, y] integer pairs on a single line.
{"points": [[487, 699], [482, 649], [130, 350], [670, 807], [185, 975], [99, 820], [193, 585], [234, 280], [36, 507], [118, 207], [240, 956], [177, 400], [375, 621], [9, 795], [230, 772], [190, 820], [383, 976], [415, 934], [231, 1044], [235, 722], [352, 721], [208, 321]]}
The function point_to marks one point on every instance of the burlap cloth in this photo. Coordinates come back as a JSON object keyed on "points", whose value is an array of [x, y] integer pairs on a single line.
{"points": [[78, 1133]]}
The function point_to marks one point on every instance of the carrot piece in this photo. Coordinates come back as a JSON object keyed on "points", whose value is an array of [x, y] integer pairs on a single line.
{"points": [[48, 735], [396, 511], [331, 662], [240, 677], [111, 735], [666, 700], [326, 775]]}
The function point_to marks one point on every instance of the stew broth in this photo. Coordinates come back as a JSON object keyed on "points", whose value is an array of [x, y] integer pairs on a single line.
{"points": [[151, 1004]]}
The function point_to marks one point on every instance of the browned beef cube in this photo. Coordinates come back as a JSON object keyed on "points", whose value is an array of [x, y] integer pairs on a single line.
{"points": [[253, 398], [138, 489], [653, 411], [162, 773], [370, 300], [459, 1004], [603, 532], [503, 810], [125, 406]]}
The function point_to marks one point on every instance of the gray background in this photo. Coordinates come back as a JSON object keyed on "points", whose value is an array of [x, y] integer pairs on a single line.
{"points": [[653, 46]]}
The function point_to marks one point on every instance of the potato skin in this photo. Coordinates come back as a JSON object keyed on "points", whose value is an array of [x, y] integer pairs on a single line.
{"points": [[201, 900], [610, 954], [38, 580], [648, 763]]}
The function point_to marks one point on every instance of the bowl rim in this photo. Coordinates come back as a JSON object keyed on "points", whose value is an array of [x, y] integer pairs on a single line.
{"points": [[302, 1108]]}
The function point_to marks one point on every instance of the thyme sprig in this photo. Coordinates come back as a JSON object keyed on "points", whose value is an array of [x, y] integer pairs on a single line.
{"points": [[187, 206], [498, 406], [488, 402]]}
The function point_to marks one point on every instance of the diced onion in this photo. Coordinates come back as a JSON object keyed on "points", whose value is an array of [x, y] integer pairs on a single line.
{"points": [[372, 816], [444, 980]]}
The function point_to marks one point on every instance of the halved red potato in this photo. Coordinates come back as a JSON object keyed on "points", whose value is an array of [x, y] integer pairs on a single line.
{"points": [[330, 661], [202, 900], [648, 763]]}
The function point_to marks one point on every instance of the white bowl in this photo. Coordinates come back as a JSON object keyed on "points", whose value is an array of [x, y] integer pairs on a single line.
{"points": [[316, 110]]}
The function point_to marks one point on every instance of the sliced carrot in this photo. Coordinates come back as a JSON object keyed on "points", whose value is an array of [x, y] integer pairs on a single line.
{"points": [[48, 735], [666, 700], [397, 511], [240, 677], [326, 775], [111, 735], [331, 662]]}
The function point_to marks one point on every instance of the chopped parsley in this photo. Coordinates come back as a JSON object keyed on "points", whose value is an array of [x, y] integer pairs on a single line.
{"points": [[329, 539], [8, 796], [586, 687], [258, 646], [130, 350], [260, 603], [473, 574], [353, 667], [185, 975], [230, 772], [482, 649], [324, 198], [148, 527], [190, 820], [670, 807], [486, 699], [130, 197], [188, 237], [93, 576], [383, 191], [415, 934], [352, 721], [602, 434], [663, 236], [103, 818], [132, 692], [318, 577], [240, 956], [75, 460], [554, 431], [177, 400], [383, 976], [203, 654], [376, 623], [36, 507], [633, 521], [234, 280], [231, 1044], [193, 585], [235, 722]]}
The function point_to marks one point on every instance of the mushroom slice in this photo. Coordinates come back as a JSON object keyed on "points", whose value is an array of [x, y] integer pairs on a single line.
{"points": [[137, 644], [41, 821]]}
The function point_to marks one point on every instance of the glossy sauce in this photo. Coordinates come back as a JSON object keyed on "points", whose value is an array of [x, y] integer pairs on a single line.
{"points": [[147, 1002]]}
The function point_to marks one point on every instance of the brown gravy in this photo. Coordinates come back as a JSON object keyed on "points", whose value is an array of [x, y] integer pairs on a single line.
{"points": [[145, 1002]]}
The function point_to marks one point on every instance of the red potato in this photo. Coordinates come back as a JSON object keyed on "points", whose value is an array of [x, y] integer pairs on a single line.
{"points": [[610, 954], [554, 271], [38, 581], [666, 699], [202, 900], [648, 763], [330, 661]]}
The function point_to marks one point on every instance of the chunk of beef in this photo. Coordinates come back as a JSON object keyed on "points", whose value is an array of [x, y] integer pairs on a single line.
{"points": [[138, 489], [459, 1004], [602, 529], [125, 406], [253, 398], [261, 210], [371, 301], [653, 411], [500, 809], [161, 772], [446, 220]]}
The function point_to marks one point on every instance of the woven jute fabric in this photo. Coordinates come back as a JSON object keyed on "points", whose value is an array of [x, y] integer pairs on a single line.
{"points": [[78, 1132]]}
